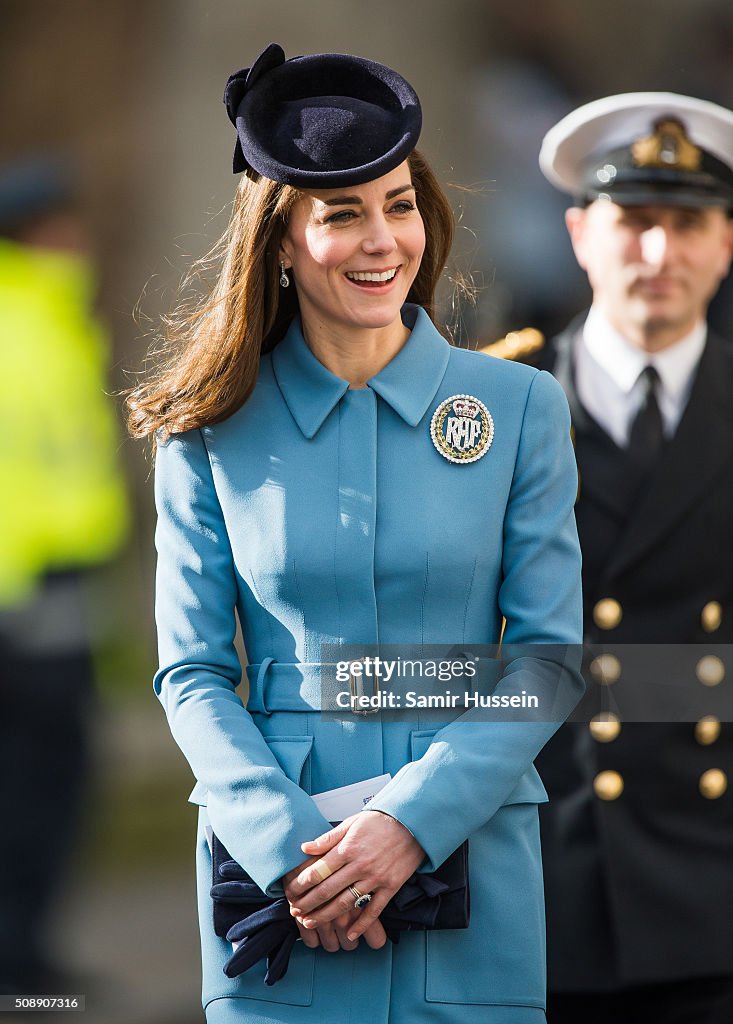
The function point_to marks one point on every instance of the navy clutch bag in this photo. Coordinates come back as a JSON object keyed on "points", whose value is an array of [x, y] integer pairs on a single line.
{"points": [[263, 928]]}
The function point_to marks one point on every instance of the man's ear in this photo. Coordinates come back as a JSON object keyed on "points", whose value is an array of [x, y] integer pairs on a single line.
{"points": [[575, 222], [729, 240]]}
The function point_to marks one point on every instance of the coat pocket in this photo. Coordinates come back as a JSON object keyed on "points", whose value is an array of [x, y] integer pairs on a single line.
{"points": [[529, 789], [505, 941], [291, 753]]}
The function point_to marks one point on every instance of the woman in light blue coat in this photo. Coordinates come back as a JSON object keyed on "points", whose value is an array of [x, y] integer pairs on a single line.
{"points": [[331, 471]]}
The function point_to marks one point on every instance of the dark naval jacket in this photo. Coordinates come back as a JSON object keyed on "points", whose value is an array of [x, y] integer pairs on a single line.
{"points": [[638, 836]]}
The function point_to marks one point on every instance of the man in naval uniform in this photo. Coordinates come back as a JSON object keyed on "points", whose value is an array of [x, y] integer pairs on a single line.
{"points": [[638, 836]]}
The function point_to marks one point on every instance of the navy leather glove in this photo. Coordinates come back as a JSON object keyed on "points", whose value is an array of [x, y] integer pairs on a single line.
{"points": [[270, 932], [234, 893], [263, 927]]}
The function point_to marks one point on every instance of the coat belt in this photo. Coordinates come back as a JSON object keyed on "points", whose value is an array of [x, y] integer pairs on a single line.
{"points": [[285, 686], [304, 686]]}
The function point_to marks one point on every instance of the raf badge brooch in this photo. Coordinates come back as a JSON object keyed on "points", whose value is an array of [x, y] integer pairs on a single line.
{"points": [[462, 429]]}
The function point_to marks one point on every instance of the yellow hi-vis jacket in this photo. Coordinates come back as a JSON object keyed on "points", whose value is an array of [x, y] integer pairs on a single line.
{"points": [[62, 495]]}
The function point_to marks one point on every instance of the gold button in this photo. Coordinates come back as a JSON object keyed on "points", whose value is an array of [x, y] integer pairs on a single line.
{"points": [[607, 613], [605, 669], [713, 783], [707, 730], [711, 616], [608, 785], [604, 727], [710, 670]]}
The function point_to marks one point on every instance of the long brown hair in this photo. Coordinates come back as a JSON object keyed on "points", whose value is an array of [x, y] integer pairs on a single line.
{"points": [[210, 351]]}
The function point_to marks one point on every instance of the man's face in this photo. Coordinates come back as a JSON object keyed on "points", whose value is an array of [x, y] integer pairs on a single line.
{"points": [[653, 269]]}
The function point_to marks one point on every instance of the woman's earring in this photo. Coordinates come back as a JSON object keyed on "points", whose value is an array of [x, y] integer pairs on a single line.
{"points": [[284, 279]]}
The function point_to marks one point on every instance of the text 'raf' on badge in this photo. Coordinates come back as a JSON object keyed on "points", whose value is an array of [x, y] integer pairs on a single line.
{"points": [[462, 429]]}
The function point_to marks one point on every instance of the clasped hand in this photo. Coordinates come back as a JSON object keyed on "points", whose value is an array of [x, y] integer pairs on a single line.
{"points": [[371, 851]]}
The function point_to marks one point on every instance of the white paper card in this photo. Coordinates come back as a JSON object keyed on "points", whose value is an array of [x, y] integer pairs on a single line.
{"points": [[337, 804]]}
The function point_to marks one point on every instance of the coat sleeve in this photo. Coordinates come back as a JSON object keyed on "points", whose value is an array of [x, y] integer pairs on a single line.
{"points": [[257, 812], [473, 764]]}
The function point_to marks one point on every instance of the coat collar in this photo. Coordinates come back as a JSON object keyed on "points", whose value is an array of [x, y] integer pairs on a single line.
{"points": [[408, 383]]}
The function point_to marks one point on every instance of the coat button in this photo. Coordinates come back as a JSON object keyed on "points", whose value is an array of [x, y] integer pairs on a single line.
{"points": [[713, 783], [711, 616], [707, 730], [710, 670], [605, 669], [607, 613], [608, 785], [605, 727]]}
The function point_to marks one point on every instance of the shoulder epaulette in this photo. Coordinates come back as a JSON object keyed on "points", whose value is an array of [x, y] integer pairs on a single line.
{"points": [[516, 344]]}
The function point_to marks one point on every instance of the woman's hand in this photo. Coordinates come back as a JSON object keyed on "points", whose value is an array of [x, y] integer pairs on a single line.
{"points": [[371, 851], [332, 935]]}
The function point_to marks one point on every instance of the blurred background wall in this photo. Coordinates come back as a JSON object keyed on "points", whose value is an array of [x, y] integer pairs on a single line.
{"points": [[132, 88]]}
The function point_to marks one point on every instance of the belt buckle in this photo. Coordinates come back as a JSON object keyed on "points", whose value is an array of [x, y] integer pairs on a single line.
{"points": [[354, 681]]}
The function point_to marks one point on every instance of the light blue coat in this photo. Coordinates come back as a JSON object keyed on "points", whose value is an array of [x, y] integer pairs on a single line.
{"points": [[325, 514]]}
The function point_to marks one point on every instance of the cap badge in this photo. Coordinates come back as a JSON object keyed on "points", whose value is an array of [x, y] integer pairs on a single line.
{"points": [[669, 147], [462, 429]]}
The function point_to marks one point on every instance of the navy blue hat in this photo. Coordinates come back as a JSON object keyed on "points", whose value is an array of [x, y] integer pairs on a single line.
{"points": [[321, 121]]}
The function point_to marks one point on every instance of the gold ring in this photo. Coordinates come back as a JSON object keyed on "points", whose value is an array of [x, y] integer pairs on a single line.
{"points": [[362, 899], [322, 869]]}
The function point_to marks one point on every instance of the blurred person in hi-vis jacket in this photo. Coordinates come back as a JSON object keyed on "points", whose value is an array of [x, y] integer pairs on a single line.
{"points": [[63, 511], [638, 834]]}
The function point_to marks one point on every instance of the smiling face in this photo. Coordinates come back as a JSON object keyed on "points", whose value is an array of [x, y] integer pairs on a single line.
{"points": [[653, 269], [354, 252]]}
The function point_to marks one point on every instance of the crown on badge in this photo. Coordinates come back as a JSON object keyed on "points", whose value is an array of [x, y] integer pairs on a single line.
{"points": [[669, 146], [465, 407]]}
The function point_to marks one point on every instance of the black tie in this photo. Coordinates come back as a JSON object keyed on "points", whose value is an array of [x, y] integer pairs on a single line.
{"points": [[647, 433]]}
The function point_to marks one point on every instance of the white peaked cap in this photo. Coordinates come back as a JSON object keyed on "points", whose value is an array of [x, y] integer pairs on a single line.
{"points": [[607, 124]]}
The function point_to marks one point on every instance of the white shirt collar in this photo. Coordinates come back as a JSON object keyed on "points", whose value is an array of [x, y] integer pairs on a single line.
{"points": [[623, 362]]}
